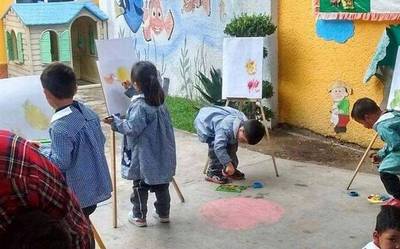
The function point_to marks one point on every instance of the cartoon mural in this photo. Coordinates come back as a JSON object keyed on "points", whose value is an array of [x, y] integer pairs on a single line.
{"points": [[154, 21], [182, 37], [132, 10], [341, 106], [191, 5]]}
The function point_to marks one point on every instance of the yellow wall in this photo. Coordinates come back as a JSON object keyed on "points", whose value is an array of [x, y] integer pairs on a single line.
{"points": [[4, 5], [308, 65]]}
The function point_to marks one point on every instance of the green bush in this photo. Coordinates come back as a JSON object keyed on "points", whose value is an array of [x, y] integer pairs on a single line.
{"points": [[250, 26]]}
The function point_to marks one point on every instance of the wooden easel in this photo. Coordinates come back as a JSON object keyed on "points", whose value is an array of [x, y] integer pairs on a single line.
{"points": [[257, 102]]}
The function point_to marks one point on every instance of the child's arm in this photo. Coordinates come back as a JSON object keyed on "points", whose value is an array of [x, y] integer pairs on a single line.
{"points": [[61, 150], [391, 139], [133, 125], [220, 145]]}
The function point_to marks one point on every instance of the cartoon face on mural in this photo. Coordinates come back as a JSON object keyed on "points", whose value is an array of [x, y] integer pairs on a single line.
{"points": [[155, 23], [191, 5], [341, 106], [132, 10]]}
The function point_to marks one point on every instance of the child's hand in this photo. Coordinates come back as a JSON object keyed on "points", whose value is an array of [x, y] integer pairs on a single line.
{"points": [[229, 169], [108, 120], [126, 84], [374, 158]]}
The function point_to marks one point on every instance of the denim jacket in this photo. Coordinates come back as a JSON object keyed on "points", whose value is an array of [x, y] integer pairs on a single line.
{"points": [[388, 128], [77, 148], [149, 152], [218, 126]]}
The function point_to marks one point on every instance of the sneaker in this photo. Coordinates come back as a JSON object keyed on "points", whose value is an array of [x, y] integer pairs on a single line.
{"points": [[392, 202], [217, 179], [161, 219], [136, 221]]}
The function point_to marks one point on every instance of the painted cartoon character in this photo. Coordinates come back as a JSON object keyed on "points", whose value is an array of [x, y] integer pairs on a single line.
{"points": [[154, 21], [341, 106], [347, 4], [132, 10], [191, 5]]}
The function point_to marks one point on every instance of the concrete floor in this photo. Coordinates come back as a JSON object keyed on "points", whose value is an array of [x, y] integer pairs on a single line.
{"points": [[318, 213]]}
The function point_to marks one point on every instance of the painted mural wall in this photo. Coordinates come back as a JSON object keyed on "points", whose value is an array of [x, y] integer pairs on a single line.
{"points": [[321, 70], [182, 37]]}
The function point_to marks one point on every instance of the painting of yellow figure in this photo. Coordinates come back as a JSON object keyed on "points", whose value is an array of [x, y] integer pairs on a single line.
{"points": [[35, 117], [251, 67], [122, 74], [116, 57], [24, 107]]}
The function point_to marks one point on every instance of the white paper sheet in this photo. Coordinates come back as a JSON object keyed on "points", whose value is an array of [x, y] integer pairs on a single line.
{"points": [[116, 58], [242, 68], [24, 108]]}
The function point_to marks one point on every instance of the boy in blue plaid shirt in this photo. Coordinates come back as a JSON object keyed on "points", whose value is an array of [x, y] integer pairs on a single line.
{"points": [[77, 141]]}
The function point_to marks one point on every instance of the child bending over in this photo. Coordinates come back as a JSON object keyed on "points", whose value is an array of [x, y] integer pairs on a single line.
{"points": [[387, 125], [222, 128]]}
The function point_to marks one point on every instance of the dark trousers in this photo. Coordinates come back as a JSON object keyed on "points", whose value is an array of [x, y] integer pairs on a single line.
{"points": [[391, 183], [88, 211], [140, 195], [215, 167]]}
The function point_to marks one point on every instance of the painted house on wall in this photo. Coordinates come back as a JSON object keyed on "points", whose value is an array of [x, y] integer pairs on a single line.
{"points": [[39, 33]]}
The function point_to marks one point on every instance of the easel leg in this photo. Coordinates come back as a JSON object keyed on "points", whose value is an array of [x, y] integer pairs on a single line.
{"points": [[178, 191], [362, 160], [98, 238], [268, 137], [114, 179]]}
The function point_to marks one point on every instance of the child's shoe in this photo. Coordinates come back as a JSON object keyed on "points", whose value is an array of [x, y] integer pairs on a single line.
{"points": [[392, 202], [217, 179], [237, 175], [161, 219], [136, 221]]}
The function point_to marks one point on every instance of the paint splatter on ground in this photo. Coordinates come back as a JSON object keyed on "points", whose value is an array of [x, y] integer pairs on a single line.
{"points": [[241, 213]]}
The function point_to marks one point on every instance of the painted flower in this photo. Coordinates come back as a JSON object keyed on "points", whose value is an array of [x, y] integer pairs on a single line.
{"points": [[251, 67]]}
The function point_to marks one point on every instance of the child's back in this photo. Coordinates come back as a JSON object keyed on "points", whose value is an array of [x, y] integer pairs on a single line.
{"points": [[149, 157], [388, 128], [210, 119], [77, 141], [150, 137], [78, 149]]}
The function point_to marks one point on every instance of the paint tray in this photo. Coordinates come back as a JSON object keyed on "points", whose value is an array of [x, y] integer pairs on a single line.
{"points": [[231, 188]]}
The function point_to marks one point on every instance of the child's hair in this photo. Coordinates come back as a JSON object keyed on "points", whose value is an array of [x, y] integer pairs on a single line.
{"points": [[388, 218], [145, 74], [254, 131], [363, 107], [59, 80], [36, 230]]}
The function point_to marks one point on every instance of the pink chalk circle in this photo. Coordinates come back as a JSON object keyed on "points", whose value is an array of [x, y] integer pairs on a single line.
{"points": [[241, 213]]}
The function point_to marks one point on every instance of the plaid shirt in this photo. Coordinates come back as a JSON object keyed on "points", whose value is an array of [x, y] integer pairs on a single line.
{"points": [[29, 181]]}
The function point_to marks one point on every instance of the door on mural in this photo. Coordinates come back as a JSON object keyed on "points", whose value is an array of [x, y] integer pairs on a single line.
{"points": [[83, 35]]}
